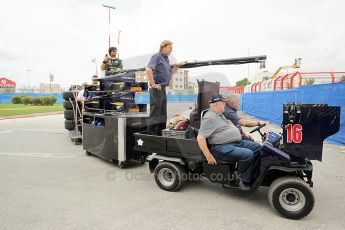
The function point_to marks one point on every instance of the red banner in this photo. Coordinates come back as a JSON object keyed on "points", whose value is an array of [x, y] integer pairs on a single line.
{"points": [[4, 82]]}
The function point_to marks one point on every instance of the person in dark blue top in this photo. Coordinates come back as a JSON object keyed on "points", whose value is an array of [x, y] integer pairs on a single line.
{"points": [[230, 113], [159, 72]]}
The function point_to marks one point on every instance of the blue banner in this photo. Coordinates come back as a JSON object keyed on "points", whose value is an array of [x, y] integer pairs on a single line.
{"points": [[269, 105], [143, 98]]}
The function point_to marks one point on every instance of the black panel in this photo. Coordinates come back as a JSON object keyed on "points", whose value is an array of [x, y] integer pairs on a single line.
{"points": [[317, 121], [206, 91], [188, 147]]}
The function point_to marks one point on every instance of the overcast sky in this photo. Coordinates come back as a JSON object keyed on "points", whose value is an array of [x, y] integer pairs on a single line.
{"points": [[63, 36]]}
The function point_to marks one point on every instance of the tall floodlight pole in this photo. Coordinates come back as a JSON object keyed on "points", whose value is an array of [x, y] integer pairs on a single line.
{"points": [[28, 70], [94, 61], [118, 44], [109, 8]]}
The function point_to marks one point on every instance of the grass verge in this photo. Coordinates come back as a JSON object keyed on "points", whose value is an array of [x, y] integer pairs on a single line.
{"points": [[18, 109]]}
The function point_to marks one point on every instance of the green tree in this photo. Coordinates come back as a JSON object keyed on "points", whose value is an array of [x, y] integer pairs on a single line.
{"points": [[342, 79], [26, 100], [243, 82], [309, 81], [16, 100], [37, 101]]}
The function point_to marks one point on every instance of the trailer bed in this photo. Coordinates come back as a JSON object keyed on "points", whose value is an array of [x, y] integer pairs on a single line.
{"points": [[168, 146]]}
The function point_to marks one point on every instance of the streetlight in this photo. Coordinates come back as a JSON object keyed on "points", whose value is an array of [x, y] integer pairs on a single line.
{"points": [[109, 7], [248, 66], [28, 70], [94, 61]]}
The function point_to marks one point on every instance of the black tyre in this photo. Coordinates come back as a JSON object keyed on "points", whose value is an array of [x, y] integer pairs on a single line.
{"points": [[68, 94], [69, 125], [69, 114], [68, 105], [291, 197], [169, 176], [122, 164]]}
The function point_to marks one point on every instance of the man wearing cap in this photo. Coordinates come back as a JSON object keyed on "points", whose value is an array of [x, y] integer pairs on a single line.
{"points": [[230, 113], [225, 142], [111, 65], [159, 72]]}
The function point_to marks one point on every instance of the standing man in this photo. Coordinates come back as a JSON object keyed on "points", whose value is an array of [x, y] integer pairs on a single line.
{"points": [[230, 113], [159, 72], [111, 65]]}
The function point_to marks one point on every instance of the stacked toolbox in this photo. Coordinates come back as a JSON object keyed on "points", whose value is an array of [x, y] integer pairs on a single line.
{"points": [[112, 114]]}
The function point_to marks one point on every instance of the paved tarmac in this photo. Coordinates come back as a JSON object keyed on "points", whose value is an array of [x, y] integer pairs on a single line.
{"points": [[47, 182]]}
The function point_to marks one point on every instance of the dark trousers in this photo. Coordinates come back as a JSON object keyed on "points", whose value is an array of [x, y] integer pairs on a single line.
{"points": [[158, 112], [247, 153]]}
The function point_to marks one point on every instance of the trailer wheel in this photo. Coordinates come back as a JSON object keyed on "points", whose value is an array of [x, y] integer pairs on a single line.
{"points": [[67, 95], [291, 197], [169, 176], [68, 114], [69, 125], [122, 164], [78, 142]]}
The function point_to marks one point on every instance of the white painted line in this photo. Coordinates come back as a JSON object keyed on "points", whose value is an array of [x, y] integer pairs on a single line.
{"points": [[6, 131], [44, 155]]}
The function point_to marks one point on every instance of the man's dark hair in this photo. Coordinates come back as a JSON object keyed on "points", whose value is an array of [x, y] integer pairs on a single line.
{"points": [[111, 49]]}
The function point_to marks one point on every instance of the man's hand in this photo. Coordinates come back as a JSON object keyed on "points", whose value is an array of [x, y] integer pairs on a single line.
{"points": [[261, 123], [106, 58], [176, 66], [203, 146], [157, 86], [248, 135], [174, 69], [181, 63], [211, 160]]}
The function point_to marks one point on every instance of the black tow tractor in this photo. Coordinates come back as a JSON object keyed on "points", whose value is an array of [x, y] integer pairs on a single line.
{"points": [[286, 166]]}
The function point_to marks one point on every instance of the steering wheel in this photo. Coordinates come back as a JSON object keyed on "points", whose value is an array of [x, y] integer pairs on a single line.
{"points": [[258, 129]]}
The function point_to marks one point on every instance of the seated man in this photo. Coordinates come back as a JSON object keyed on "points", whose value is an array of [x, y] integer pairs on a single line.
{"points": [[226, 143], [82, 97], [230, 113], [81, 94]]}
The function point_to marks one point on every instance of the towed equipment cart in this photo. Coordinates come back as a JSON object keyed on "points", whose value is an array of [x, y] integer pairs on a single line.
{"points": [[115, 110]]}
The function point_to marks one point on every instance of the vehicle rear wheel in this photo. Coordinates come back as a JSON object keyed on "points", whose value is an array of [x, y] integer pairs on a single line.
{"points": [[169, 176], [291, 197]]}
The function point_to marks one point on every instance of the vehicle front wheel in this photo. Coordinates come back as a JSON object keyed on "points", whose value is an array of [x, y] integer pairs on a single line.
{"points": [[169, 176], [291, 197]]}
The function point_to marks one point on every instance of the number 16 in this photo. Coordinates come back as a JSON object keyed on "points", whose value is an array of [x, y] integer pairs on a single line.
{"points": [[294, 133]]}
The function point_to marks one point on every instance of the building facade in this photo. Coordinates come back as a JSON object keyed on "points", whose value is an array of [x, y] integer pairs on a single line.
{"points": [[180, 83], [7, 86], [50, 88]]}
